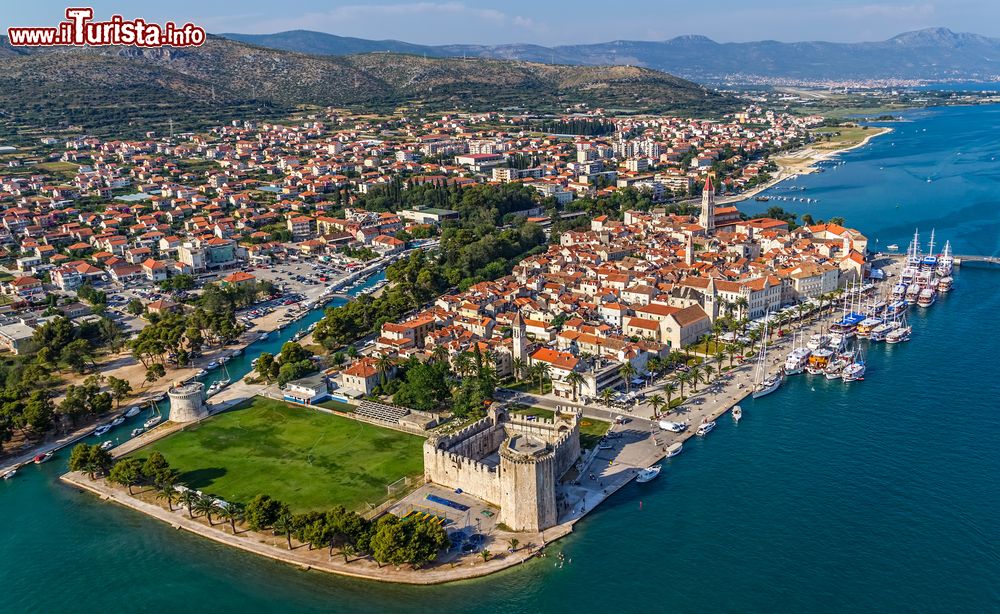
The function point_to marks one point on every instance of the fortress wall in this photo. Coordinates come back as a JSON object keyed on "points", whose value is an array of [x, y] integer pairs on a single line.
{"points": [[456, 471]]}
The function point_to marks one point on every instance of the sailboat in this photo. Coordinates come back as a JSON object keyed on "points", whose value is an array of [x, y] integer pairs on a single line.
{"points": [[154, 419], [219, 384], [856, 370], [765, 384]]}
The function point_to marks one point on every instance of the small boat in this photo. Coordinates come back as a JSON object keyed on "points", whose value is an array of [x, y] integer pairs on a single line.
{"points": [[674, 449], [201, 373], [138, 431], [148, 424], [104, 428], [133, 411], [737, 413], [120, 420], [263, 336], [705, 428], [854, 371], [673, 427], [892, 247], [648, 474], [899, 335], [797, 360], [212, 365], [42, 458], [107, 445], [10, 474]]}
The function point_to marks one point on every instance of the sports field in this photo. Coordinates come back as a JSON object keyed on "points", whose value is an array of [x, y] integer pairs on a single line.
{"points": [[307, 459]]}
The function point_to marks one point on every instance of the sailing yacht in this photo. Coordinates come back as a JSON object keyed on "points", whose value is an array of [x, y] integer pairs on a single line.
{"points": [[154, 419], [901, 334], [765, 384]]}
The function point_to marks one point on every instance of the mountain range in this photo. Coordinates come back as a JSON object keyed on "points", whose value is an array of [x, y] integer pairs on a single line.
{"points": [[932, 54], [128, 86]]}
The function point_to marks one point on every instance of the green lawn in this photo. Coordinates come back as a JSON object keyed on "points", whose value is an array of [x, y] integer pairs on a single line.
{"points": [[539, 412], [307, 459], [591, 431]]}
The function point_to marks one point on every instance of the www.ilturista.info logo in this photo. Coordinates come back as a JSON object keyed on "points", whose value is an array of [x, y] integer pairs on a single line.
{"points": [[80, 29]]}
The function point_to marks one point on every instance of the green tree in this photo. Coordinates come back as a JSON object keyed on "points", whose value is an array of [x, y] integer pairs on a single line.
{"points": [[262, 511], [126, 472], [120, 389], [284, 525]]}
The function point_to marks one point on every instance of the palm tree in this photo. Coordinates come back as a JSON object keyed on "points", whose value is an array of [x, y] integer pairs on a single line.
{"points": [[697, 376], [513, 542], [719, 356], [284, 526], [439, 354], [347, 550], [168, 493], [517, 366], [574, 379], [657, 402], [206, 505], [233, 513], [627, 371], [669, 389], [654, 364], [709, 371], [462, 364], [486, 555], [674, 357], [801, 309], [742, 303], [383, 364], [606, 395], [542, 373], [682, 379], [189, 498]]}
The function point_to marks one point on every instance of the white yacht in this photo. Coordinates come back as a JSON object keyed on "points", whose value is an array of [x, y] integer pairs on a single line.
{"points": [[104, 428], [648, 474], [737, 412], [796, 361], [133, 411], [818, 341], [926, 298], [107, 445], [705, 428], [674, 449]]}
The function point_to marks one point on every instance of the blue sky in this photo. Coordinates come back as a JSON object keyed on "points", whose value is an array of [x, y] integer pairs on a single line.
{"points": [[548, 22]]}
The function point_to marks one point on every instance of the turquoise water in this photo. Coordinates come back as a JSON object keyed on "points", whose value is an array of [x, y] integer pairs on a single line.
{"points": [[873, 496]]}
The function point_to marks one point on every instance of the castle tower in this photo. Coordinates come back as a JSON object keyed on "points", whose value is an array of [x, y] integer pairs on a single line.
{"points": [[187, 402], [528, 484], [706, 219], [519, 339]]}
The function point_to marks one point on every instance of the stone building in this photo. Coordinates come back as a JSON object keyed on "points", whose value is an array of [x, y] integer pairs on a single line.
{"points": [[508, 461]]}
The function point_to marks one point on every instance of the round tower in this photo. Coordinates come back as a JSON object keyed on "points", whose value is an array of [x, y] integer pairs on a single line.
{"points": [[187, 402]]}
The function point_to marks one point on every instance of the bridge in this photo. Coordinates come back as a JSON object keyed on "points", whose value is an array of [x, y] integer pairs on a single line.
{"points": [[959, 258]]}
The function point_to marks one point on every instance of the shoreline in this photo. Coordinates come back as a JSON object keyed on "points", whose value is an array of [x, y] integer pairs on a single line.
{"points": [[272, 546], [810, 157]]}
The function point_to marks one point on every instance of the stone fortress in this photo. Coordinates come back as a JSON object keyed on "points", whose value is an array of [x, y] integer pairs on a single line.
{"points": [[187, 402], [508, 461]]}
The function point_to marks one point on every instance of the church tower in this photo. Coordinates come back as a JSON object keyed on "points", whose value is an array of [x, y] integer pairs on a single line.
{"points": [[707, 217], [712, 301], [520, 348]]}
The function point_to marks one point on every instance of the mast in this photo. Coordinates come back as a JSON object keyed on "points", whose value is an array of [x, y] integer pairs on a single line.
{"points": [[930, 246]]}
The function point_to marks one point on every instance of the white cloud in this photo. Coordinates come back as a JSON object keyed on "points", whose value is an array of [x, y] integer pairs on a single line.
{"points": [[894, 11]]}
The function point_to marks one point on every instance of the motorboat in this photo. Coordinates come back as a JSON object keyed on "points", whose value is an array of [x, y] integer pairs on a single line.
{"points": [[944, 284], [10, 474], [879, 332], [148, 424], [43, 458], [899, 335], [138, 431], [836, 367], [133, 411], [818, 361], [673, 427], [737, 412], [854, 371], [705, 428], [104, 428], [926, 298], [107, 445], [674, 449], [120, 420], [648, 474], [212, 365], [796, 361], [818, 341]]}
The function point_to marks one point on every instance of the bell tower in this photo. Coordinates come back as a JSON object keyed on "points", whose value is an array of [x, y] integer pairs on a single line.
{"points": [[706, 219]]}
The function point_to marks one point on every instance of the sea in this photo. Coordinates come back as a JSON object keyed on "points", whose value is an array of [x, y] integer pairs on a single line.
{"points": [[873, 496]]}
